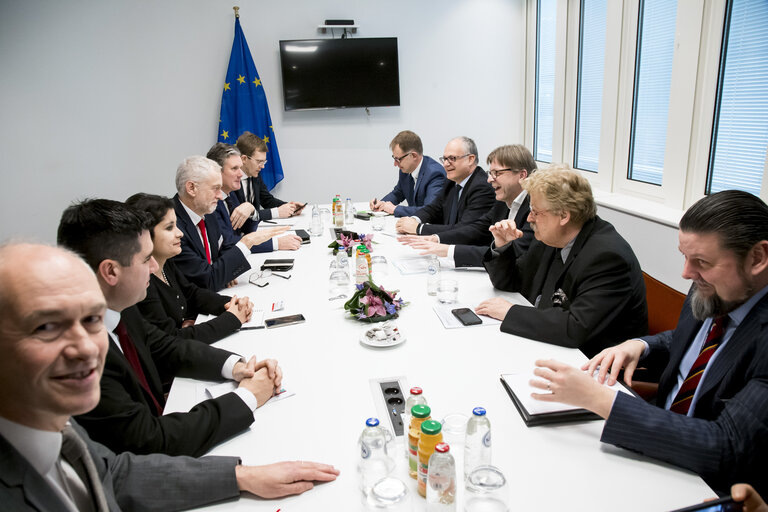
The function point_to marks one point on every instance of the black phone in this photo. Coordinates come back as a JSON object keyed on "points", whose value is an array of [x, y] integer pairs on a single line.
{"points": [[466, 316], [722, 505], [302, 233], [298, 210], [282, 321]]}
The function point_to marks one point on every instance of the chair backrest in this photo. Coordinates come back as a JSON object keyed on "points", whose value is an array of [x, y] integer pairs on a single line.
{"points": [[664, 305]]}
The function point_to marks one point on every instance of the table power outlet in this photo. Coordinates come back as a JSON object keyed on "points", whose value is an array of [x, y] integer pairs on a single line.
{"points": [[394, 404]]}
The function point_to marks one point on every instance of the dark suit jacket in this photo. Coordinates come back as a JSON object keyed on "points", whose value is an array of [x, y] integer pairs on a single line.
{"points": [[232, 235], [168, 305], [227, 261], [603, 285], [726, 440], [126, 419], [131, 482], [428, 186], [472, 240], [263, 200], [475, 201]]}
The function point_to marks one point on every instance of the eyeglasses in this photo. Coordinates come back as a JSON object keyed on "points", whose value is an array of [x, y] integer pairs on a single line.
{"points": [[260, 279], [258, 162], [399, 159], [452, 159], [495, 172], [535, 213]]}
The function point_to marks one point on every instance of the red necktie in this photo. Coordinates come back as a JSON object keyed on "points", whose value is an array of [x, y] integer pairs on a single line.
{"points": [[201, 225], [682, 402], [129, 349]]}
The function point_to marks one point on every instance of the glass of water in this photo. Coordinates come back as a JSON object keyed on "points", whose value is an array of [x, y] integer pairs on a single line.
{"points": [[486, 490], [378, 220], [447, 291], [389, 494]]}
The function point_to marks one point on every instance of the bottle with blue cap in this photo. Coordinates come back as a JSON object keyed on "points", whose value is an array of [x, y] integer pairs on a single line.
{"points": [[375, 460], [477, 443]]}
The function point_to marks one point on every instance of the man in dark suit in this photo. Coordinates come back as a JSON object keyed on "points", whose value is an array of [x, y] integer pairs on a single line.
{"points": [[229, 158], [207, 258], [114, 239], [52, 349], [256, 202], [581, 276], [465, 197], [465, 246], [419, 181], [711, 412]]}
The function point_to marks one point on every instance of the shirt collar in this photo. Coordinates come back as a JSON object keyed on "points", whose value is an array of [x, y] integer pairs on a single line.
{"points": [[464, 182], [111, 319], [740, 313], [565, 251], [40, 447], [520, 198], [195, 218], [415, 172]]}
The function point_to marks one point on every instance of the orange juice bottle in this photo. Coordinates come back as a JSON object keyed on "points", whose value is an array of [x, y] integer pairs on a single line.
{"points": [[431, 435], [419, 414]]}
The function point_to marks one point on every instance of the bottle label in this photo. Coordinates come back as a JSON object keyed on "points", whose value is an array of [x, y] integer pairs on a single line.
{"points": [[487, 439], [423, 471], [365, 452]]}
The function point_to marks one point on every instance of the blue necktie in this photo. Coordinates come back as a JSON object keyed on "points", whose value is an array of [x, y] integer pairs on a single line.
{"points": [[453, 217]]}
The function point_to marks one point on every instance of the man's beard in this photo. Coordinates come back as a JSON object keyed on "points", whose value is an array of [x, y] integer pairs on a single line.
{"points": [[704, 307]]}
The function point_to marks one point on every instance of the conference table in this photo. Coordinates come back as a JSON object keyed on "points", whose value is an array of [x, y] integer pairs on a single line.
{"points": [[329, 373]]}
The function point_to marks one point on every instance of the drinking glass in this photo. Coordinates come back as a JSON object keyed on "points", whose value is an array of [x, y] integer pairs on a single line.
{"points": [[378, 220], [486, 490], [447, 291], [388, 494]]}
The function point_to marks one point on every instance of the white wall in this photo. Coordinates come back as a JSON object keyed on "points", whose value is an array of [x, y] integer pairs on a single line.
{"points": [[103, 99]]}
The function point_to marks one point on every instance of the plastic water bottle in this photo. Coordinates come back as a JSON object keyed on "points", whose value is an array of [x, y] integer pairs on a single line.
{"points": [[433, 274], [349, 213], [477, 443], [375, 462], [416, 398], [441, 480], [316, 227]]}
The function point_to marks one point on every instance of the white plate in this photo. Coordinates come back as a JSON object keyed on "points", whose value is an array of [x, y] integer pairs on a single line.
{"points": [[391, 341]]}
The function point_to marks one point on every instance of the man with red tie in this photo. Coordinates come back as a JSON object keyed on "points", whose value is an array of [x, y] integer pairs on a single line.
{"points": [[207, 258], [114, 240], [712, 406]]}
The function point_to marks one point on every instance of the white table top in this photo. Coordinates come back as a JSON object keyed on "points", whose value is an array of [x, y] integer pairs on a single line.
{"points": [[563, 467]]}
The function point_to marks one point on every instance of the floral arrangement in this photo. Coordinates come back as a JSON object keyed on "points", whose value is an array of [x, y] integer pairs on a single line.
{"points": [[347, 243], [372, 303]]}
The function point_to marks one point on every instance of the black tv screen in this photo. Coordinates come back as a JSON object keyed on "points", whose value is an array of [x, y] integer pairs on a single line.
{"points": [[340, 73]]}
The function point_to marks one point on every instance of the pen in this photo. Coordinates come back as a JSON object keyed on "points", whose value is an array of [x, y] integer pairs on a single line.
{"points": [[269, 221]]}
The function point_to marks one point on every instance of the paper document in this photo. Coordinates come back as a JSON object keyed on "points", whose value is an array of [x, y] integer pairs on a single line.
{"points": [[408, 266], [450, 321], [218, 390]]}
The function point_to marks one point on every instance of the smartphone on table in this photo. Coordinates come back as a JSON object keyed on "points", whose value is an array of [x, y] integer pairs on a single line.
{"points": [[282, 321], [466, 316]]}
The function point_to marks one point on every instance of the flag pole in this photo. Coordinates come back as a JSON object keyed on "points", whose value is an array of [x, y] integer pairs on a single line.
{"points": [[237, 11]]}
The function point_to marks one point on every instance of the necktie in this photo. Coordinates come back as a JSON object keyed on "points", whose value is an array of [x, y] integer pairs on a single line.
{"points": [[74, 451], [230, 204], [129, 349], [454, 215], [548, 289], [682, 402], [201, 225], [411, 190]]}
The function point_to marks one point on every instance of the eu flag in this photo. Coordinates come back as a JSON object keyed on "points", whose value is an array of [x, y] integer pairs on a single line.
{"points": [[244, 107]]}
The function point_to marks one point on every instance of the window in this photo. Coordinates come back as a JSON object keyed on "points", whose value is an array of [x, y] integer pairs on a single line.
{"points": [[653, 73], [740, 134], [546, 29], [590, 87]]}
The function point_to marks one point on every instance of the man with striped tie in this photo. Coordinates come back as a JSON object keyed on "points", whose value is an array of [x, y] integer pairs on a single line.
{"points": [[711, 413]]}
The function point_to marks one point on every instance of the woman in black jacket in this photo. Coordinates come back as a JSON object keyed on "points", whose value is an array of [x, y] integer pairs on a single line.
{"points": [[172, 302]]}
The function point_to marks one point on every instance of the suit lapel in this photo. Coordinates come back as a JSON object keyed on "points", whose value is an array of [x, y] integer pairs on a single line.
{"points": [[15, 471], [184, 223], [131, 318], [522, 213]]}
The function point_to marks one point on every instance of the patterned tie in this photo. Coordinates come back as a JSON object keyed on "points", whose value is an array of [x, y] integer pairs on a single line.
{"points": [[129, 349], [682, 402], [75, 451], [201, 225]]}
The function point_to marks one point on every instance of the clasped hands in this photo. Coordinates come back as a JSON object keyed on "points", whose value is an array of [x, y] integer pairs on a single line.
{"points": [[241, 307], [262, 378]]}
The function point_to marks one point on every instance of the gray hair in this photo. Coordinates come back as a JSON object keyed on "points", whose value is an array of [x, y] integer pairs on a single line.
{"points": [[194, 168], [470, 147], [220, 151]]}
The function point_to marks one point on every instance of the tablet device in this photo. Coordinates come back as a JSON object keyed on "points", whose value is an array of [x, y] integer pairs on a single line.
{"points": [[301, 233], [722, 505], [278, 265]]}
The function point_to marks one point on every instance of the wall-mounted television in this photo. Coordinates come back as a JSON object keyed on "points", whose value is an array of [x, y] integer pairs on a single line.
{"points": [[340, 73]]}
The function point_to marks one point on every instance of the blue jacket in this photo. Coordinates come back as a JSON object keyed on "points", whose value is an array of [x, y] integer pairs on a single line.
{"points": [[430, 182]]}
